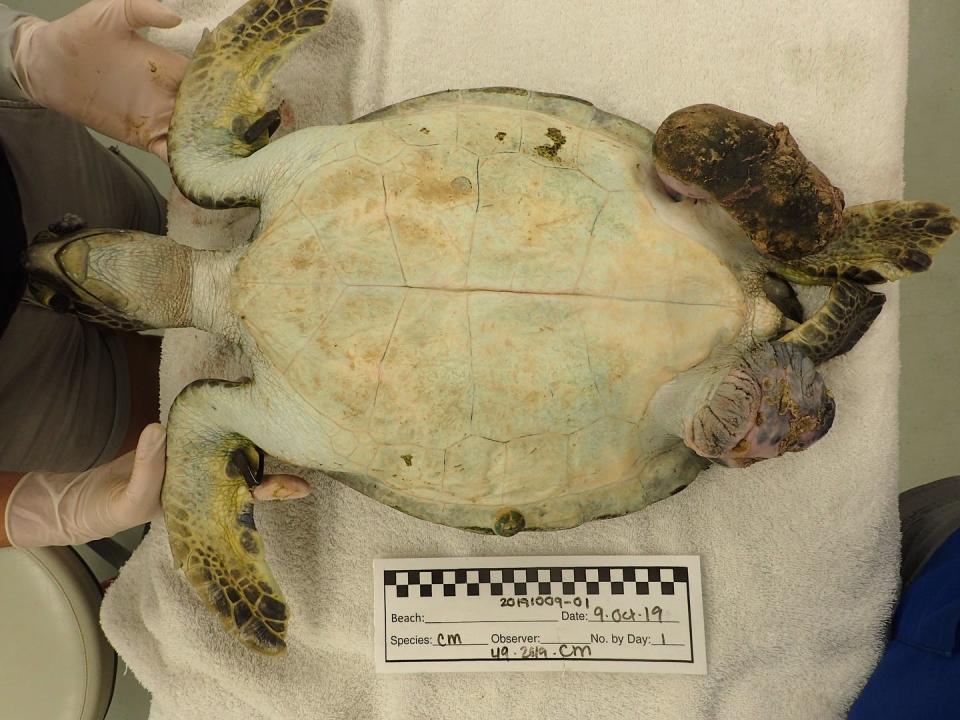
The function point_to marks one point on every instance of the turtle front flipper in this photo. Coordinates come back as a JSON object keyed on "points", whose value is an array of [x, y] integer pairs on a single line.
{"points": [[221, 115], [209, 513], [879, 242]]}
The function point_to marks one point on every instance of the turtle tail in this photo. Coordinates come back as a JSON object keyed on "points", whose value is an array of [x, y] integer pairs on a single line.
{"points": [[221, 114]]}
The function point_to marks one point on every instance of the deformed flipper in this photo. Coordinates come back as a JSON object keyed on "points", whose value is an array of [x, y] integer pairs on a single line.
{"points": [[756, 172], [769, 401], [881, 241], [836, 327], [209, 514]]}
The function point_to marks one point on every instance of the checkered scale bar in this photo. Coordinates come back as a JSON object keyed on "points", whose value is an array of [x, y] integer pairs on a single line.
{"points": [[532, 582]]}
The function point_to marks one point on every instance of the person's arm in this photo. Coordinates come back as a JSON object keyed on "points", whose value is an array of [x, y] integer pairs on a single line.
{"points": [[9, 24], [8, 481], [41, 509], [93, 66]]}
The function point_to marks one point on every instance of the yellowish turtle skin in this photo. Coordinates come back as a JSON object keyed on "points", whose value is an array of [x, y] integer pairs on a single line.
{"points": [[486, 308]]}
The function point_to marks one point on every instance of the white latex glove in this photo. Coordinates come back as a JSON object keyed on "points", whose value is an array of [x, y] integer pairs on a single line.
{"points": [[92, 66], [69, 508]]}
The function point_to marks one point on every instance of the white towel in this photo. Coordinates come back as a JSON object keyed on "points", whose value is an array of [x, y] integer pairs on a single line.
{"points": [[800, 554]]}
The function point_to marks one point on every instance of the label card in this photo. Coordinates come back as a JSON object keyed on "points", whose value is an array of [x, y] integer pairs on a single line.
{"points": [[588, 613]]}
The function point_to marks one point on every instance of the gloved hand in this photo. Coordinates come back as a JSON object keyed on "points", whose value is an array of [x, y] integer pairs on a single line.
{"points": [[69, 508], [92, 66]]}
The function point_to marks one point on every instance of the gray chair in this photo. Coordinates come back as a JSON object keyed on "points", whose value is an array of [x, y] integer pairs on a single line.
{"points": [[57, 664]]}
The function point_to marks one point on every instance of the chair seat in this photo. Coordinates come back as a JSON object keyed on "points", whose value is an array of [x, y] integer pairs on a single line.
{"points": [[57, 665]]}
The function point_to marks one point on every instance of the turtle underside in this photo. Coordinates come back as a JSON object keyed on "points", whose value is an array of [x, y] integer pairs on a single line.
{"points": [[479, 299]]}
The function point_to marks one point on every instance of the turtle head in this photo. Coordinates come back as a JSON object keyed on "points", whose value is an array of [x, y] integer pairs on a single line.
{"points": [[769, 401], [756, 172], [125, 280]]}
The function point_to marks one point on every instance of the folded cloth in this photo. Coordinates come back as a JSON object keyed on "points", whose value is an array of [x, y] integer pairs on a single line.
{"points": [[800, 554]]}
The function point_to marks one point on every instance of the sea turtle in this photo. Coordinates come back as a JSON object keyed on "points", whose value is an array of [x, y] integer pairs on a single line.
{"points": [[487, 308]]}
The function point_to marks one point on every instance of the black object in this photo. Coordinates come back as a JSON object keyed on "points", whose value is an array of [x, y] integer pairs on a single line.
{"points": [[929, 514], [13, 243]]}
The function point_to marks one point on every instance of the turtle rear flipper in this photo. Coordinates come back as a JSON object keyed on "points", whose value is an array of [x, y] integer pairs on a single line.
{"points": [[836, 327], [880, 242], [221, 115], [209, 513]]}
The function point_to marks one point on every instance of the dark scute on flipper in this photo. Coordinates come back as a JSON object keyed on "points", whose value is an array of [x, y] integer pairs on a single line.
{"points": [[272, 609], [241, 614], [245, 518], [267, 638], [311, 18]]}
